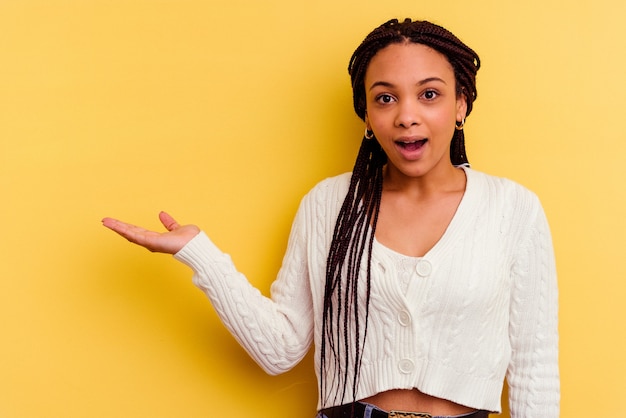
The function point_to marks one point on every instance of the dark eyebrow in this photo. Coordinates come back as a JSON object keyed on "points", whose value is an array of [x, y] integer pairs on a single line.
{"points": [[420, 83]]}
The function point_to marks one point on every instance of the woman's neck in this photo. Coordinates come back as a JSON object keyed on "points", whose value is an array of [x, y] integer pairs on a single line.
{"points": [[446, 180]]}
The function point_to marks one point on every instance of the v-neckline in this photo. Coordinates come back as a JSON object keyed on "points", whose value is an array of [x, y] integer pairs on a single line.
{"points": [[456, 224]]}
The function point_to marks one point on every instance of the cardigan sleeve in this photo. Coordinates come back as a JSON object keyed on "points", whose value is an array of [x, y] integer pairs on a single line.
{"points": [[533, 373], [276, 331]]}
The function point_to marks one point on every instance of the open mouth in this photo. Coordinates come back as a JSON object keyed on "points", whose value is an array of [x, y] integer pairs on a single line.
{"points": [[412, 145]]}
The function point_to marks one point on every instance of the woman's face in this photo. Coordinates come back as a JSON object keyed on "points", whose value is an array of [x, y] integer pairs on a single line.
{"points": [[412, 107]]}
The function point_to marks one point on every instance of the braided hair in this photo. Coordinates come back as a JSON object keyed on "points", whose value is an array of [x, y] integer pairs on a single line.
{"points": [[346, 297]]}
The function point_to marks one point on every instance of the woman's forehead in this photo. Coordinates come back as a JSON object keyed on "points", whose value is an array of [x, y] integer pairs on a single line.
{"points": [[400, 60]]}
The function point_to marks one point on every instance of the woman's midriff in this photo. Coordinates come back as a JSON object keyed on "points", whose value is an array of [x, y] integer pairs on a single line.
{"points": [[415, 401]]}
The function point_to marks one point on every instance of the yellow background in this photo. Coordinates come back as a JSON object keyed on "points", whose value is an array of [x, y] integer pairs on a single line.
{"points": [[225, 113]]}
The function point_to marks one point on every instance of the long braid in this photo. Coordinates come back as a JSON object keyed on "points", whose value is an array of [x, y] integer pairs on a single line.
{"points": [[356, 223], [352, 236]]}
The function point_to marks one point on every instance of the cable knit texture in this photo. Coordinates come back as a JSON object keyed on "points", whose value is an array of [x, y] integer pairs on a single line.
{"points": [[479, 306]]}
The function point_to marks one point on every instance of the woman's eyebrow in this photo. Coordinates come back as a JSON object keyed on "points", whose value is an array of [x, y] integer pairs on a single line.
{"points": [[419, 83], [429, 79]]}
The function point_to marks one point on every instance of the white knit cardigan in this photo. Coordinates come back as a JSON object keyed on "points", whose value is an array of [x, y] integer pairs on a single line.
{"points": [[481, 305]]}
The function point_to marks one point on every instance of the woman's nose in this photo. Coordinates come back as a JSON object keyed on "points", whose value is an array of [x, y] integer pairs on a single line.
{"points": [[408, 114]]}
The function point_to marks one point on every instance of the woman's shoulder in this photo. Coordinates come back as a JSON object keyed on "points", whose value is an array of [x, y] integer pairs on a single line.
{"points": [[323, 202], [331, 187], [503, 193], [498, 185], [326, 197]]}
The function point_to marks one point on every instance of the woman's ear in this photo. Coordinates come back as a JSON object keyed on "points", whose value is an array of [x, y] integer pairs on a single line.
{"points": [[461, 107]]}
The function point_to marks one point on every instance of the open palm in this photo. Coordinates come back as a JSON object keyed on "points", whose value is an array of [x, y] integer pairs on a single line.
{"points": [[169, 242]]}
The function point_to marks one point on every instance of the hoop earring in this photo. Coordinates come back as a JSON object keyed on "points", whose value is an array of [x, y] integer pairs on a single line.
{"points": [[368, 134], [459, 127]]}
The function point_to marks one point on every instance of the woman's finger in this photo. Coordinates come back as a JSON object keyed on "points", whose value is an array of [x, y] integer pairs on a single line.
{"points": [[131, 232], [168, 221]]}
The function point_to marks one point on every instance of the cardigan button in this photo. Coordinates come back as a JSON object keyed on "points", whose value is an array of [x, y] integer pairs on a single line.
{"points": [[424, 268], [406, 366], [404, 318]]}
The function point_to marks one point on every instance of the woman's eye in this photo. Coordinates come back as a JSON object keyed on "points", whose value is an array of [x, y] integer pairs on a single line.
{"points": [[430, 94], [385, 98]]}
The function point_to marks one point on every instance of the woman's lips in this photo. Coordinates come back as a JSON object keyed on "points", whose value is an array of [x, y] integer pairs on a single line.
{"points": [[411, 145]]}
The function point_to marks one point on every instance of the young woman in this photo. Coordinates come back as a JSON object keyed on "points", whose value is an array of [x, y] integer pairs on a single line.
{"points": [[421, 282]]}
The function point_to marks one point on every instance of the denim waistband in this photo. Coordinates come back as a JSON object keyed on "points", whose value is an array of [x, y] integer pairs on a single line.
{"points": [[365, 410]]}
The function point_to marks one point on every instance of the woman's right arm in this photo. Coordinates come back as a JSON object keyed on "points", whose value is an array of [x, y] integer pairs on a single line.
{"points": [[277, 332]]}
